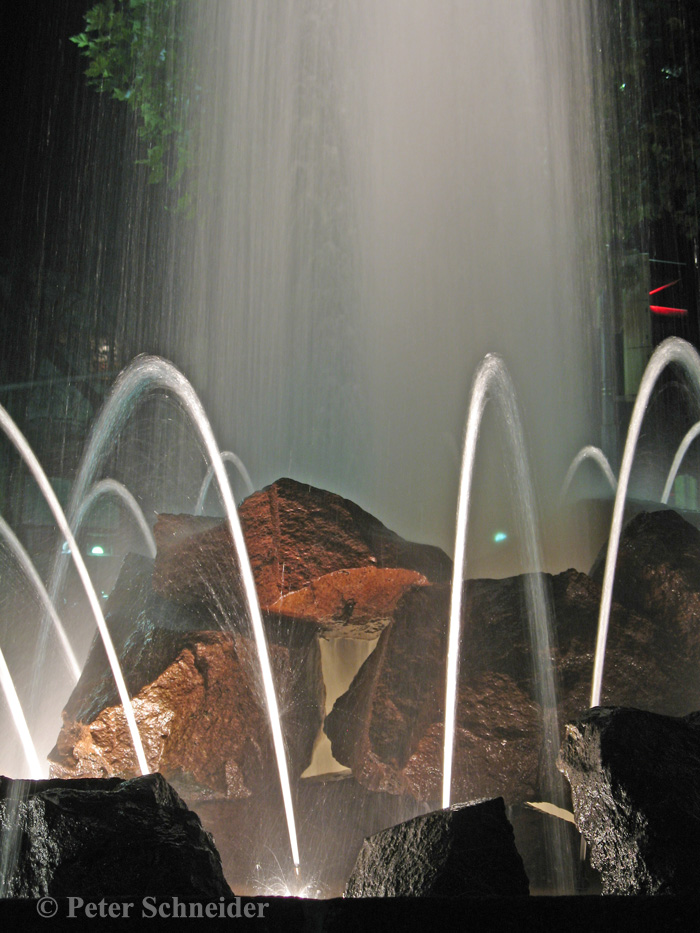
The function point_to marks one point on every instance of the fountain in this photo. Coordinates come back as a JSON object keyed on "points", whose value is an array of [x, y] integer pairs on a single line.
{"points": [[112, 487], [144, 374], [493, 377], [359, 229], [672, 350], [596, 455]]}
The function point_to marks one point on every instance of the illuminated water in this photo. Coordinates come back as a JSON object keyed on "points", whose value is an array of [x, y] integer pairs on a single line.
{"points": [[390, 191], [28, 456], [22, 557], [492, 381], [145, 374], [672, 350], [386, 192], [112, 487]]}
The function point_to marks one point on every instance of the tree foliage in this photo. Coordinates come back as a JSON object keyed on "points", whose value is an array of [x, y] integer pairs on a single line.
{"points": [[133, 48]]}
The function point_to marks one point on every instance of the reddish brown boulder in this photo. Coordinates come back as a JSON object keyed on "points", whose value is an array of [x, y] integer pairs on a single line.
{"points": [[354, 603], [388, 727], [194, 691], [294, 535]]}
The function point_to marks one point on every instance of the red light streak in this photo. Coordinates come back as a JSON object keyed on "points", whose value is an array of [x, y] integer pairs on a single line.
{"points": [[662, 287], [659, 309]]}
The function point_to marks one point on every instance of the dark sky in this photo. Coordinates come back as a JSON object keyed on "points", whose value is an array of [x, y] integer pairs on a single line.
{"points": [[43, 102], [76, 211]]}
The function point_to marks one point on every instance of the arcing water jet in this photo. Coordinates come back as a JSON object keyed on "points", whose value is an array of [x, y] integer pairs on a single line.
{"points": [[683, 447], [589, 452], [27, 454], [672, 350], [144, 374], [113, 487], [492, 380], [8, 688], [30, 571], [228, 456]]}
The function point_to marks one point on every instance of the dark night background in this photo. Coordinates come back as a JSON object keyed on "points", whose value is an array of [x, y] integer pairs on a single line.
{"points": [[81, 288]]}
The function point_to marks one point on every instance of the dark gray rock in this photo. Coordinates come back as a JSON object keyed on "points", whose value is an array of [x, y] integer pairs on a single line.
{"points": [[658, 575], [467, 850], [635, 785], [95, 838]]}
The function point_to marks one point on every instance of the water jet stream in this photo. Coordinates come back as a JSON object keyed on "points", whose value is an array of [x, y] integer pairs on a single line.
{"points": [[31, 573], [152, 372], [492, 374], [110, 486], [8, 687], [588, 453], [672, 350], [678, 459], [27, 454], [228, 456]]}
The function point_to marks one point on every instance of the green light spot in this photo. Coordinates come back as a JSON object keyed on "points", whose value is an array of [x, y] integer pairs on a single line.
{"points": [[500, 536], [97, 551]]}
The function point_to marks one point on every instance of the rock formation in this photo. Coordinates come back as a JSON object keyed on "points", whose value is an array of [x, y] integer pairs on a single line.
{"points": [[388, 727], [635, 785], [181, 632], [464, 851], [301, 542], [658, 575], [104, 838], [194, 691]]}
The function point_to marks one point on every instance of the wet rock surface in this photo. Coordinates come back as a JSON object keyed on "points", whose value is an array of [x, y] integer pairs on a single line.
{"points": [[105, 838], [183, 639], [467, 850], [354, 603], [295, 534], [635, 785], [388, 727], [658, 575], [195, 694], [322, 565]]}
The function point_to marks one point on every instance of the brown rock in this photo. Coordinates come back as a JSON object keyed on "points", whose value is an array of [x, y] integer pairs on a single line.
{"points": [[196, 702], [354, 603], [388, 727], [294, 534]]}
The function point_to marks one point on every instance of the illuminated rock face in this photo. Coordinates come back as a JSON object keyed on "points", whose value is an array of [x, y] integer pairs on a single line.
{"points": [[635, 779], [194, 694], [297, 536], [323, 566], [463, 851], [105, 838], [388, 727]]}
